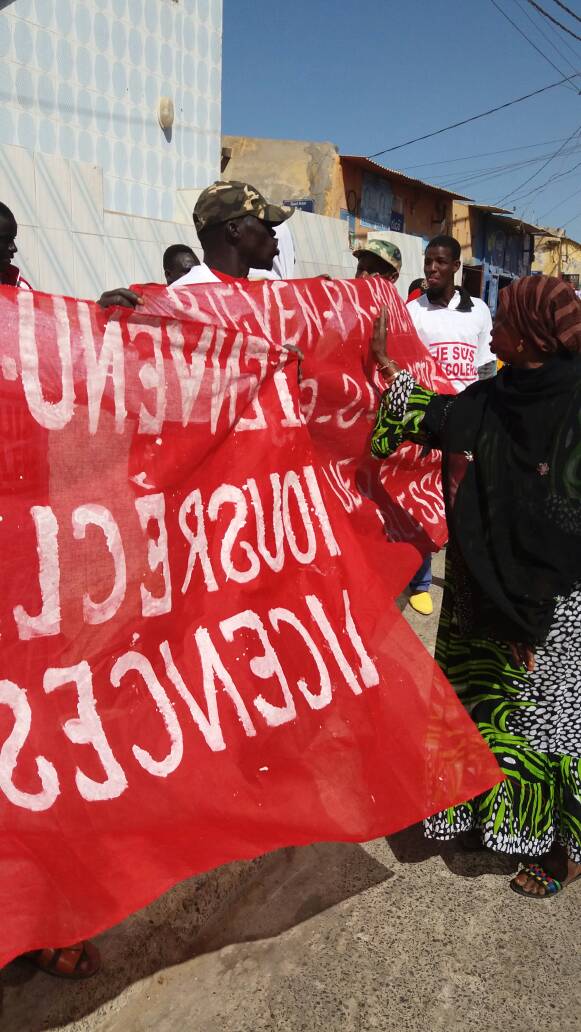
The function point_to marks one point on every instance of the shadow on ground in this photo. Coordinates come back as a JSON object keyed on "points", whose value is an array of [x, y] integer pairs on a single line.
{"points": [[412, 847], [281, 890]]}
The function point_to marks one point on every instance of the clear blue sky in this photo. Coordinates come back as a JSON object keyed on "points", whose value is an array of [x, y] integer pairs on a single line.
{"points": [[368, 74]]}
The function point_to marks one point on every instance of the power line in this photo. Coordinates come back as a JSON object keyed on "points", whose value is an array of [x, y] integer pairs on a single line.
{"points": [[538, 189], [511, 166], [559, 203], [551, 179], [496, 171], [567, 9], [546, 14], [543, 167], [473, 118], [483, 154], [528, 39], [545, 28]]}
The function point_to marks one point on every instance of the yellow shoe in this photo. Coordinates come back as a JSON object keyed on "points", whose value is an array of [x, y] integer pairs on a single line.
{"points": [[422, 603]]}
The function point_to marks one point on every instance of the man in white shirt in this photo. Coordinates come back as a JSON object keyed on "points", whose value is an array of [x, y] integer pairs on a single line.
{"points": [[177, 260], [457, 329]]}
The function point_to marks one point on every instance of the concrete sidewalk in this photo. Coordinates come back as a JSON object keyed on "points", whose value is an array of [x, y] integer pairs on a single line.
{"points": [[391, 936]]}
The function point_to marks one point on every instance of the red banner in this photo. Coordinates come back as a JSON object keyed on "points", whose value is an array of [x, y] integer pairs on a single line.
{"points": [[331, 321], [201, 657]]}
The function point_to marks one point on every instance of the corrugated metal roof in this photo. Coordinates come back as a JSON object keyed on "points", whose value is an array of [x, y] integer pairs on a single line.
{"points": [[374, 166], [528, 227], [513, 220], [491, 209]]}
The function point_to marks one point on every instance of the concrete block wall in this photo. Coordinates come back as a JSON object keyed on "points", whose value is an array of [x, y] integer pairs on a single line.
{"points": [[321, 246], [70, 243]]}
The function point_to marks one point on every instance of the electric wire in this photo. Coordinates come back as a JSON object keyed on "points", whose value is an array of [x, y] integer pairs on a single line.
{"points": [[552, 179], [542, 168], [529, 40], [473, 118], [546, 14], [484, 154], [559, 203], [544, 28], [567, 9], [494, 171]]}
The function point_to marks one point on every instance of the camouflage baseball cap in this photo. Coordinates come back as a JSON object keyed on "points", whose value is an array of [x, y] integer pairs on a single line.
{"points": [[383, 249], [232, 200]]}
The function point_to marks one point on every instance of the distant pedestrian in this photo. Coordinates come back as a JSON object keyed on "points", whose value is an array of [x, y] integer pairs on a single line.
{"points": [[177, 260], [378, 258]]}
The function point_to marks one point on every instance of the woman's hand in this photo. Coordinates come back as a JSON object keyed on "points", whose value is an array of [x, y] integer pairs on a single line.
{"points": [[387, 367], [523, 655]]}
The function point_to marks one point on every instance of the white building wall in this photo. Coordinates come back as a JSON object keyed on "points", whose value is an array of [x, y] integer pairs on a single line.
{"points": [[80, 84], [82, 80], [97, 187]]}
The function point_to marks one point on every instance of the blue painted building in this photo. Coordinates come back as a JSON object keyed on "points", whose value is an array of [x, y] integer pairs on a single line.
{"points": [[496, 248]]}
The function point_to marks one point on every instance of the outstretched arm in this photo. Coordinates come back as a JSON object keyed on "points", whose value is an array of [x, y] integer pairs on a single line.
{"points": [[120, 298], [407, 411]]}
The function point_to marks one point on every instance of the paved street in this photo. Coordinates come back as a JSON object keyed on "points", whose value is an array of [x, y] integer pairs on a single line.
{"points": [[392, 936]]}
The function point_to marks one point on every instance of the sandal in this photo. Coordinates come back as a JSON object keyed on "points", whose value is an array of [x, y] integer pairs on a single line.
{"points": [[551, 885], [82, 960]]}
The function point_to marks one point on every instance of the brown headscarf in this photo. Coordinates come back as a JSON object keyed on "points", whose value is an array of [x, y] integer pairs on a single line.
{"points": [[545, 311]]}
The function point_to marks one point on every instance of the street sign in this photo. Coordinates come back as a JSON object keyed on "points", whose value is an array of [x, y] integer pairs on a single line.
{"points": [[302, 203]]}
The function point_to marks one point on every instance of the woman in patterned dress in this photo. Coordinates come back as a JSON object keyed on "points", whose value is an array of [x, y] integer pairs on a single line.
{"points": [[509, 638]]}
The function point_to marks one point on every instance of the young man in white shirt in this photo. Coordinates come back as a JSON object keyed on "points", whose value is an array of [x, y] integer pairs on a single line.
{"points": [[177, 260], [457, 329]]}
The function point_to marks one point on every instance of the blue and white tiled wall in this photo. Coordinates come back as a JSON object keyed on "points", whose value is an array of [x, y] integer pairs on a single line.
{"points": [[82, 79]]}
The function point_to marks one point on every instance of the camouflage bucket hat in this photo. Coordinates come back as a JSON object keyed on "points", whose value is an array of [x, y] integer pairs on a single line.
{"points": [[223, 201], [383, 249]]}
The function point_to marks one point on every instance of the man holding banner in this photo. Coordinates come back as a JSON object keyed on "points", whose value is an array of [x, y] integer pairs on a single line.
{"points": [[202, 659], [236, 228], [80, 960]]}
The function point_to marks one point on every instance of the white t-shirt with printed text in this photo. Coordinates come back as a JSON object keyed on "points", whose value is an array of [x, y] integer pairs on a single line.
{"points": [[459, 341]]}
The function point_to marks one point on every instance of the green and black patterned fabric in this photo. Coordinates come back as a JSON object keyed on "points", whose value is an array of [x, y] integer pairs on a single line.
{"points": [[531, 721], [532, 724]]}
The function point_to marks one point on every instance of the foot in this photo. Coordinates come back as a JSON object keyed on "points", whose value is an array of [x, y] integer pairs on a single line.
{"points": [[75, 962], [530, 886], [422, 603]]}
